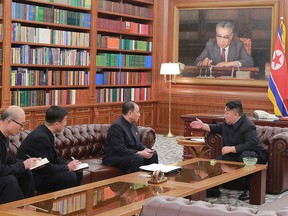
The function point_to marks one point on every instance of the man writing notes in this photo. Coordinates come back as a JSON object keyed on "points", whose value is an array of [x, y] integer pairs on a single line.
{"points": [[16, 180], [124, 148], [224, 50], [239, 135], [57, 174]]}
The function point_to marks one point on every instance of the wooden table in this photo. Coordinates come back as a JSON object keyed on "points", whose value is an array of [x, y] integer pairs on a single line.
{"points": [[194, 146], [125, 195], [197, 175]]}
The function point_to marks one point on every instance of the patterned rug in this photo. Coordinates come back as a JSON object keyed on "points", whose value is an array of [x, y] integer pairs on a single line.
{"points": [[170, 152]]}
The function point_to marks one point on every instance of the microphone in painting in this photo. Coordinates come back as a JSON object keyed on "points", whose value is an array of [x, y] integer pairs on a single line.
{"points": [[203, 66]]}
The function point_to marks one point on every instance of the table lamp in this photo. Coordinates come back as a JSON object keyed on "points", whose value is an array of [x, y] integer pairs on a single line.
{"points": [[170, 70]]}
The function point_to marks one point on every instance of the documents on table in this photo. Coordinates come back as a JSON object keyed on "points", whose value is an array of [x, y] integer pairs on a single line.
{"points": [[198, 139], [161, 167], [40, 163], [82, 166]]}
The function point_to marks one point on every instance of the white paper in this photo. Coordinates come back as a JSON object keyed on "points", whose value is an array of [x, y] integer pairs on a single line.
{"points": [[82, 166], [40, 163], [161, 167]]}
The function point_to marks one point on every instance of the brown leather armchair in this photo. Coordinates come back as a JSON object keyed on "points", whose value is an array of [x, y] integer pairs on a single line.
{"points": [[275, 141]]}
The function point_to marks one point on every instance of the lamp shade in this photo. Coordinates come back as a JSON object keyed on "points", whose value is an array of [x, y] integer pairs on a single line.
{"points": [[169, 69]]}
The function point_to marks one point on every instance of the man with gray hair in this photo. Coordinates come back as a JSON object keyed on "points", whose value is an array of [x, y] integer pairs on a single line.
{"points": [[16, 180], [224, 50]]}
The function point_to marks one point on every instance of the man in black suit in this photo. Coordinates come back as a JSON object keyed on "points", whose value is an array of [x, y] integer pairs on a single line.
{"points": [[224, 50], [124, 148], [58, 174], [239, 135], [16, 180]]}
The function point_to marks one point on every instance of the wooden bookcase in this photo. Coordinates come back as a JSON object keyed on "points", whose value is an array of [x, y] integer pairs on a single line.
{"points": [[63, 53]]}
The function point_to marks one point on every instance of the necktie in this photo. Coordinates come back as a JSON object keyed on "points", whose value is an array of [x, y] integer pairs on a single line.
{"points": [[223, 54]]}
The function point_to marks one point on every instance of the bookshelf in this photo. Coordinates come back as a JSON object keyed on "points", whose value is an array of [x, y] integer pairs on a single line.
{"points": [[124, 50], [87, 56]]}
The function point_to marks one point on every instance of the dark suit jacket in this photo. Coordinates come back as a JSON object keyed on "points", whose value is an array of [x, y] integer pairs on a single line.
{"points": [[40, 143], [237, 52], [121, 141], [8, 164], [242, 135]]}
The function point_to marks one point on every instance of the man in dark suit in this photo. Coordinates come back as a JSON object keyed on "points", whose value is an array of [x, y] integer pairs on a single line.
{"points": [[124, 148], [16, 180], [240, 137], [58, 174], [224, 50]]}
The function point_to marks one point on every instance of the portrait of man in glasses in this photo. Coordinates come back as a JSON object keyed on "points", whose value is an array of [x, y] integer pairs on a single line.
{"points": [[224, 50]]}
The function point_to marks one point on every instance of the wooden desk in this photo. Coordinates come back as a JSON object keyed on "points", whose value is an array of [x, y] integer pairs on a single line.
{"points": [[212, 118], [217, 72]]}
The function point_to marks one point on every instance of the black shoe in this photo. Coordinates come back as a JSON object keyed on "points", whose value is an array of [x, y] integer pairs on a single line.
{"points": [[244, 196], [213, 192]]}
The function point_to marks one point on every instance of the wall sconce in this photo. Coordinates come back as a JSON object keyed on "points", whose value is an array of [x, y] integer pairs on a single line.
{"points": [[170, 70]]}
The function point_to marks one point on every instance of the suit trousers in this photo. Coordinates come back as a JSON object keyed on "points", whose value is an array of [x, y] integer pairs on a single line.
{"points": [[59, 181], [15, 187], [133, 162]]}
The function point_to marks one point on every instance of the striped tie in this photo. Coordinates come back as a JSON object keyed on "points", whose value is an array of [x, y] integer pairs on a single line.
{"points": [[223, 54]]}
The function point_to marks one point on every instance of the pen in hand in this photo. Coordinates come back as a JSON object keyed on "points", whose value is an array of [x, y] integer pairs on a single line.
{"points": [[27, 155], [72, 158]]}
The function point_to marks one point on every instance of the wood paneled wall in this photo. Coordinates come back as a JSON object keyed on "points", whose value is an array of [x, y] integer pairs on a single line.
{"points": [[198, 98]]}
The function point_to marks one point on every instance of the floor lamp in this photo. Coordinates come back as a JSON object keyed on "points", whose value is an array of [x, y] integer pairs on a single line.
{"points": [[170, 70]]}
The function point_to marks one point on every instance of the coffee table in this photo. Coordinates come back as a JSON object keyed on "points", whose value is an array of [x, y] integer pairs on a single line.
{"points": [[198, 174], [113, 196], [125, 195]]}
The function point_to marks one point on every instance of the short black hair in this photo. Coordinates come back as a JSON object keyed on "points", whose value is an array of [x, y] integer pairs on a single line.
{"points": [[235, 105], [128, 106], [55, 114]]}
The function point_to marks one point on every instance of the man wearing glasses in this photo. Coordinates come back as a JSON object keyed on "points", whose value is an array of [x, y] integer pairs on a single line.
{"points": [[224, 50], [16, 180]]}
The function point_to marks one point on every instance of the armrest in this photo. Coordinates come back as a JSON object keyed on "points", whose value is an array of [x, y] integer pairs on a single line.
{"points": [[214, 143], [147, 136], [277, 172]]}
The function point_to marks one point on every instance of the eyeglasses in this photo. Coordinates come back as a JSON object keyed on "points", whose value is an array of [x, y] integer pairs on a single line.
{"points": [[226, 37], [21, 124]]}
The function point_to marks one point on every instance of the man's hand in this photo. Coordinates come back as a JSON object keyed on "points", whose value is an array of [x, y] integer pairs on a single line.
{"points": [[31, 162], [146, 153], [73, 164], [227, 64], [197, 124], [205, 63], [228, 149]]}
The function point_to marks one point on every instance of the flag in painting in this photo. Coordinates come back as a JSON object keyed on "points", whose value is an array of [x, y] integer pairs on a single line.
{"points": [[278, 80]]}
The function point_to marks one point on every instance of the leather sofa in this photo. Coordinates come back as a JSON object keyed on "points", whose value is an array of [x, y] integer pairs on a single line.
{"points": [[165, 205], [85, 143], [275, 141]]}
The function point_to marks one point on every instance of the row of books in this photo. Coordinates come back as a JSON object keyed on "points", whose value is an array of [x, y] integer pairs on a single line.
{"points": [[124, 26], [77, 3], [25, 77], [49, 56], [50, 15], [49, 36], [123, 78], [1, 31], [71, 204], [25, 98], [107, 95], [129, 9], [125, 44], [121, 60]]}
